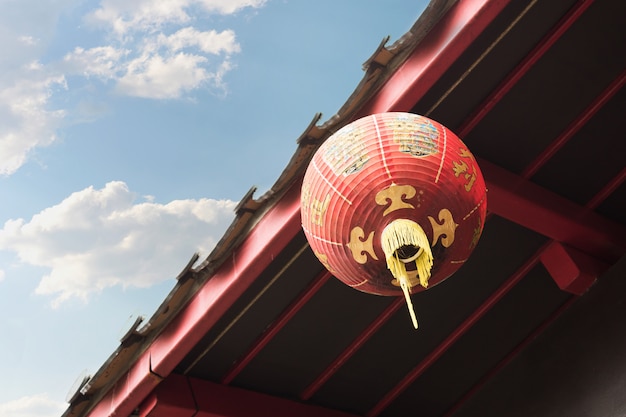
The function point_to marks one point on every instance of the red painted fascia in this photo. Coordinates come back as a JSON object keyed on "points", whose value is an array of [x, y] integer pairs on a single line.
{"points": [[268, 239], [129, 390]]}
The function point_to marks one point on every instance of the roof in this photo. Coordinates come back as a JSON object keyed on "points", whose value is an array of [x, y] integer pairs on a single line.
{"points": [[535, 89]]}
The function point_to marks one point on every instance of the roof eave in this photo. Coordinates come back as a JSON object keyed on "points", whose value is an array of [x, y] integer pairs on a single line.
{"points": [[394, 79]]}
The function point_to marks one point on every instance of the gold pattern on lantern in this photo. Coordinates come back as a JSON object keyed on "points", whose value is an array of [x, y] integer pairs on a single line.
{"points": [[318, 210], [445, 229], [467, 171], [305, 198], [359, 246], [394, 197], [416, 139], [347, 154], [476, 235], [323, 258]]}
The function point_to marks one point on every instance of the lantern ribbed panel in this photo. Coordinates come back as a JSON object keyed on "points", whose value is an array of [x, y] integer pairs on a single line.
{"points": [[384, 167]]}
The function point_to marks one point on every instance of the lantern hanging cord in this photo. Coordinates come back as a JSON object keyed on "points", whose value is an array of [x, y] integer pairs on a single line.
{"points": [[397, 236]]}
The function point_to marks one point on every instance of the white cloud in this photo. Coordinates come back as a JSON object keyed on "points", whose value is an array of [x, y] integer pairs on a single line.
{"points": [[40, 405], [123, 16], [26, 121], [210, 42], [101, 61], [161, 78], [28, 40], [27, 117], [161, 66], [99, 238], [162, 70], [229, 6]]}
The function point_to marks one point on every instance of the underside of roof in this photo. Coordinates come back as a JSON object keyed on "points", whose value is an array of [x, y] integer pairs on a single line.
{"points": [[535, 90]]}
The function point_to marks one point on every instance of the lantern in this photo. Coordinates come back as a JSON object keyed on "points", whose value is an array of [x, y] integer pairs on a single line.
{"points": [[393, 203]]}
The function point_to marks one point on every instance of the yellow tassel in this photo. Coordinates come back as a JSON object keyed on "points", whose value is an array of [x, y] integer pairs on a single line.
{"points": [[398, 236]]}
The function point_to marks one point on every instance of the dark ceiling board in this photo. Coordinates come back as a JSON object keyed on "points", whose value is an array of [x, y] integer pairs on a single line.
{"points": [[521, 347], [480, 349], [575, 368], [614, 207]]}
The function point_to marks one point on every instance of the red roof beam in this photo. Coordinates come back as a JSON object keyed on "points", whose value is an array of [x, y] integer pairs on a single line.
{"points": [[215, 400], [180, 396], [608, 189], [516, 199]]}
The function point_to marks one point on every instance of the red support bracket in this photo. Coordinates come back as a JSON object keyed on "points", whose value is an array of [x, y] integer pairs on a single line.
{"points": [[572, 270], [172, 398]]}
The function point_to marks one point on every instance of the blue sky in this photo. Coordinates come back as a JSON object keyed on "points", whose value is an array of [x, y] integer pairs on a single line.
{"points": [[129, 130]]}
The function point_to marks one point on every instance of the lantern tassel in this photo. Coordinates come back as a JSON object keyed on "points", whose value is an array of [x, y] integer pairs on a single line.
{"points": [[403, 242], [405, 284]]}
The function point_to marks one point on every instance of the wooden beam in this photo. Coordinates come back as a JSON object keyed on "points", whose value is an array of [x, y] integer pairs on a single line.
{"points": [[516, 199], [181, 396]]}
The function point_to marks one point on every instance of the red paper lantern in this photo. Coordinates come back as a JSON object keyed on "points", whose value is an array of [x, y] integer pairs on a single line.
{"points": [[392, 203]]}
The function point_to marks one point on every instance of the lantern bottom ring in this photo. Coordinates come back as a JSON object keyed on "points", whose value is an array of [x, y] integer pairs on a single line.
{"points": [[409, 253]]}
